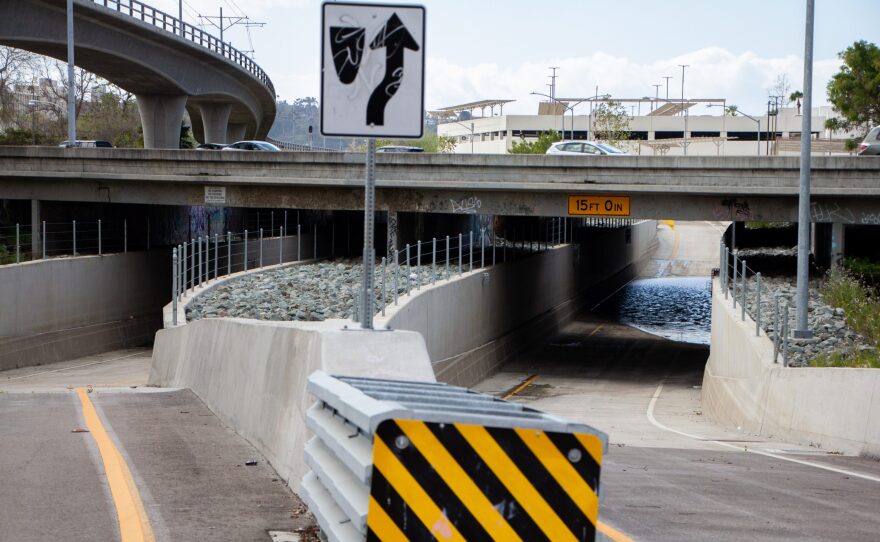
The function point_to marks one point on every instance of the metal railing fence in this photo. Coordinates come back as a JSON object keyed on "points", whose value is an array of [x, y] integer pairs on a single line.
{"points": [[770, 310], [169, 23], [21, 243], [284, 145]]}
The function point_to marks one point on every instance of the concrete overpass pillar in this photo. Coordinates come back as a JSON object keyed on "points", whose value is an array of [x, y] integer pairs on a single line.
{"points": [[838, 240], [161, 117], [215, 120], [36, 229], [235, 132]]}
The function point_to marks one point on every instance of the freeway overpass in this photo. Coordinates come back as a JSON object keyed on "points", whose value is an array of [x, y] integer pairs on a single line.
{"points": [[168, 64], [844, 189]]}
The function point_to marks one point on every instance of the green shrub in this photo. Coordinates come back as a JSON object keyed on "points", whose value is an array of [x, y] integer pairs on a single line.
{"points": [[859, 303], [865, 359]]}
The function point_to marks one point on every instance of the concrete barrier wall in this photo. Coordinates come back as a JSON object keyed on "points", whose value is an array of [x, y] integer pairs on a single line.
{"points": [[836, 409], [65, 308], [253, 374], [474, 324]]}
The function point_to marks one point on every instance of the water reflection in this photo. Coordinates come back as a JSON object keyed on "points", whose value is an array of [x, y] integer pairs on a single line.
{"points": [[675, 308]]}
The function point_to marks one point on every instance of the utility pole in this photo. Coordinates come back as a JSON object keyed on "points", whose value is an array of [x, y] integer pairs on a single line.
{"points": [[180, 15], [225, 23], [71, 82], [684, 110], [553, 81], [656, 93], [802, 330], [667, 77]]}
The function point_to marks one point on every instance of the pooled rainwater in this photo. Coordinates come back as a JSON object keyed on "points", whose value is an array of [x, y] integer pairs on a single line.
{"points": [[675, 308]]}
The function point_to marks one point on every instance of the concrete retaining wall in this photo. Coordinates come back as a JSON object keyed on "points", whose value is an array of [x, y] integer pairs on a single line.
{"points": [[836, 409], [60, 309], [474, 324], [252, 374]]}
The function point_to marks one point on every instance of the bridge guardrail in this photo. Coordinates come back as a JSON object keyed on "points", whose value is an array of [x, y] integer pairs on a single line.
{"points": [[422, 458], [23, 242], [169, 23], [284, 145]]}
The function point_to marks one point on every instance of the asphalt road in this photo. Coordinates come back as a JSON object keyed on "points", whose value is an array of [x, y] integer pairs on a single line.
{"points": [[190, 469], [671, 474]]}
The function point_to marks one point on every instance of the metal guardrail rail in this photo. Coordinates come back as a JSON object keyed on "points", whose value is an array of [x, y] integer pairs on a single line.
{"points": [[355, 418], [169, 23], [284, 145]]}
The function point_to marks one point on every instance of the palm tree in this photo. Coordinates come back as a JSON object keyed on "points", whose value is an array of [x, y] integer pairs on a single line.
{"points": [[796, 97], [731, 110]]}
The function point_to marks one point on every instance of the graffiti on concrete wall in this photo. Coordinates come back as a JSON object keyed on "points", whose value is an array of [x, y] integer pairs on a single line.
{"points": [[831, 212], [732, 209], [871, 219], [466, 206]]}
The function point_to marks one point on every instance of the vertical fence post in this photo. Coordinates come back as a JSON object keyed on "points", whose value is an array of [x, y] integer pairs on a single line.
{"points": [[447, 256], [43, 238], [245, 250], [775, 327], [785, 335], [298, 242], [733, 283], [174, 287], [418, 265], [181, 278], [216, 255], [332, 240], [315, 242], [280, 245], [74, 237], [471, 250], [261, 248], [100, 240], [408, 285], [201, 266], [434, 260], [459, 254], [482, 247], [758, 306], [493, 245], [396, 278], [17, 242], [185, 282], [228, 252], [384, 290], [745, 286], [124, 235]]}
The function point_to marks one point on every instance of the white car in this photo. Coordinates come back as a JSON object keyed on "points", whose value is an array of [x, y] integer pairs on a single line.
{"points": [[584, 148], [251, 146]]}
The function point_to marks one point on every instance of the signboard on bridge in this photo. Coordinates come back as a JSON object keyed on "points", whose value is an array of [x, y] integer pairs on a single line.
{"points": [[372, 70], [598, 205]]}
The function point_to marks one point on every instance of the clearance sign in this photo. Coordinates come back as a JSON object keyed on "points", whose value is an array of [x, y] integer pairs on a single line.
{"points": [[598, 205]]}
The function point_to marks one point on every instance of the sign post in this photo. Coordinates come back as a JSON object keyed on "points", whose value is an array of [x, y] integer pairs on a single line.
{"points": [[372, 89]]}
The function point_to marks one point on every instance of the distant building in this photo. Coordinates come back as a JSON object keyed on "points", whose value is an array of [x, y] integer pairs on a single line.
{"points": [[656, 127]]}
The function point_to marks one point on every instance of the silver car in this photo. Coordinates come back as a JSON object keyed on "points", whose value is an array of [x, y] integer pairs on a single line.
{"points": [[584, 148], [871, 145], [251, 146]]}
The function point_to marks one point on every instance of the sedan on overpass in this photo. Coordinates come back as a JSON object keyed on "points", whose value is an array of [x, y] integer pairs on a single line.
{"points": [[252, 146], [584, 148]]}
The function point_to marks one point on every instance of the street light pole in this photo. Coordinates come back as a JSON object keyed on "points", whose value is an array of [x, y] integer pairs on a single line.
{"points": [[667, 77], [71, 84], [684, 109], [802, 331]]}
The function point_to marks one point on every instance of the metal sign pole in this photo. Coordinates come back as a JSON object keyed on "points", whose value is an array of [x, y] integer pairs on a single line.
{"points": [[802, 329], [369, 227]]}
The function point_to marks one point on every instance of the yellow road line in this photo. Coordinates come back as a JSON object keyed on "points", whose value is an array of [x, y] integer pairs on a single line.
{"points": [[613, 533], [516, 483], [458, 480], [525, 384], [134, 525], [674, 251], [382, 524]]}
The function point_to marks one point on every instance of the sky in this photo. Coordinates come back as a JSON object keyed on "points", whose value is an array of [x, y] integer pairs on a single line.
{"points": [[501, 49]]}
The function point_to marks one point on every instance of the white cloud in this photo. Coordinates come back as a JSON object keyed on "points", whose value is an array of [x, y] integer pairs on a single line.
{"points": [[714, 72]]}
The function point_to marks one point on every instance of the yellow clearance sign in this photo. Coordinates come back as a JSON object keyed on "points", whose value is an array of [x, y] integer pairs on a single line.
{"points": [[598, 205]]}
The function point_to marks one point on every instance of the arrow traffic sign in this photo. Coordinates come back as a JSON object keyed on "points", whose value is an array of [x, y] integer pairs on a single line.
{"points": [[372, 70]]}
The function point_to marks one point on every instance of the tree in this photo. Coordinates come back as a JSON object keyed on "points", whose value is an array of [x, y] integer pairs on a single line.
{"points": [[796, 97], [855, 90], [536, 147], [112, 117], [611, 123], [781, 87], [429, 142], [731, 110]]}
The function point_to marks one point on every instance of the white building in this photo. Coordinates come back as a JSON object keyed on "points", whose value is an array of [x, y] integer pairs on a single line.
{"points": [[661, 127]]}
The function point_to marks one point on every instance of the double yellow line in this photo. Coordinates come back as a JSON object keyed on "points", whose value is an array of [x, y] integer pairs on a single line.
{"points": [[134, 525]]}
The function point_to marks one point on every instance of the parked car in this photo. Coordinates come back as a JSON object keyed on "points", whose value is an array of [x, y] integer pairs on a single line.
{"points": [[582, 148], [251, 146], [90, 143], [211, 147], [399, 148], [871, 145]]}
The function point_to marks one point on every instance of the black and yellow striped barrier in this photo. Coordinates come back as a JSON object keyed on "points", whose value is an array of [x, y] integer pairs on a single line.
{"points": [[416, 461], [457, 482]]}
